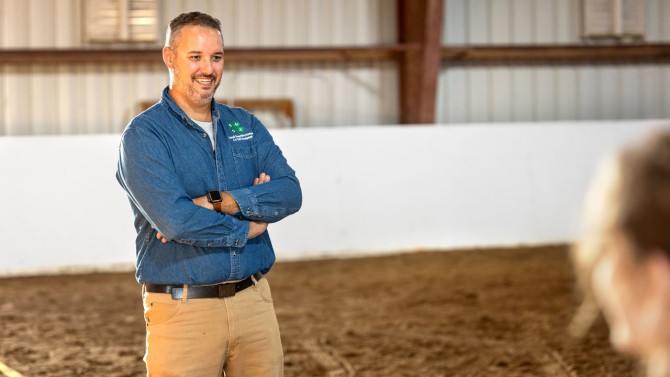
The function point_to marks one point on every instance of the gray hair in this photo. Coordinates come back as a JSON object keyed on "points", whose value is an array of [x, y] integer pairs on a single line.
{"points": [[190, 18]]}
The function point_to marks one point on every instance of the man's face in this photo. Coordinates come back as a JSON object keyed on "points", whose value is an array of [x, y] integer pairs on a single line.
{"points": [[197, 64]]}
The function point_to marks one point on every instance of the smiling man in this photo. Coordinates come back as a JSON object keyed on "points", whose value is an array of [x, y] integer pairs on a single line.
{"points": [[204, 180]]}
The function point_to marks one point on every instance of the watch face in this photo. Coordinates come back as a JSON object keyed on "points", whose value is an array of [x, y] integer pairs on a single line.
{"points": [[214, 196]]}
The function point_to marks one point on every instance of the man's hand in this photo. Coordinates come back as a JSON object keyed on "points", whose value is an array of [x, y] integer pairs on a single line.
{"points": [[263, 178], [256, 229], [160, 236]]}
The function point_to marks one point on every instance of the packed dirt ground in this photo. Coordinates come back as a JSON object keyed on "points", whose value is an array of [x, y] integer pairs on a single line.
{"points": [[457, 313]]}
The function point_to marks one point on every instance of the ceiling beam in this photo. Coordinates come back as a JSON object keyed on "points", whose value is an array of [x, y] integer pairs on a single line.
{"points": [[232, 55], [556, 54], [452, 55]]}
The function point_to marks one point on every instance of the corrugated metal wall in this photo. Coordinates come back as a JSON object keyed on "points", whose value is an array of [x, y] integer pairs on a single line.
{"points": [[103, 98], [533, 21], [89, 98], [542, 93]]}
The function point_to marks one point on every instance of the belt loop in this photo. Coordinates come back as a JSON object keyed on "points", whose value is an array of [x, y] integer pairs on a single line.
{"points": [[255, 278], [184, 295]]}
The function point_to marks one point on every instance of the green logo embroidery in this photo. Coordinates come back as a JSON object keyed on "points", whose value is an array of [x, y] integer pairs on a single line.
{"points": [[236, 127]]}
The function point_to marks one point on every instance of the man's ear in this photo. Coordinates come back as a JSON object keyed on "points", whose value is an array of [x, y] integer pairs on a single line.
{"points": [[168, 57]]}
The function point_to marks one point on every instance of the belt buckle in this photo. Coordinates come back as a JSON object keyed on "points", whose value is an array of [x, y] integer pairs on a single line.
{"points": [[226, 290], [177, 293]]}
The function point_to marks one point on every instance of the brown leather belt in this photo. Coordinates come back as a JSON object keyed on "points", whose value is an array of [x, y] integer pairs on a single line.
{"points": [[203, 291]]}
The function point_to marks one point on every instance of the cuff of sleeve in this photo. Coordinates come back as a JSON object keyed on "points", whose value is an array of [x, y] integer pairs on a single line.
{"points": [[239, 238], [246, 200], [236, 238]]}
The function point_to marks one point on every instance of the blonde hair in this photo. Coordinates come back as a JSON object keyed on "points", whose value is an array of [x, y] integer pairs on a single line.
{"points": [[627, 209]]}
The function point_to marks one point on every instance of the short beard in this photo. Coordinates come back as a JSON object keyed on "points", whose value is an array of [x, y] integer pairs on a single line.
{"points": [[196, 98], [191, 93]]}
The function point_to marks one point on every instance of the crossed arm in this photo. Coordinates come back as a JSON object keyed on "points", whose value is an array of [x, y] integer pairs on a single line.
{"points": [[230, 207]]}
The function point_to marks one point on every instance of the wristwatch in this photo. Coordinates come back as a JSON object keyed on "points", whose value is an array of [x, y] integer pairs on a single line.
{"points": [[215, 198]]}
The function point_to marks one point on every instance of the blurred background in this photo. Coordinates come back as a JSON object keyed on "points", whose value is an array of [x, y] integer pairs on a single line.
{"points": [[88, 65], [413, 124]]}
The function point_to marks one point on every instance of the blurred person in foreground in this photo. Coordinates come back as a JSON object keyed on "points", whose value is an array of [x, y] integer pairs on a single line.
{"points": [[623, 258], [204, 180]]}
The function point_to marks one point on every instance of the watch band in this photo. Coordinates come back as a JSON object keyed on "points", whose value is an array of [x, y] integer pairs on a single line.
{"points": [[216, 199]]}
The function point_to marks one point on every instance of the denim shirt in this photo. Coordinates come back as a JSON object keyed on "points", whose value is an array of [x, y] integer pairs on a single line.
{"points": [[166, 160]]}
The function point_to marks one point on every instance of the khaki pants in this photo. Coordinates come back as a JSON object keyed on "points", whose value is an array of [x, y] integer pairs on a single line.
{"points": [[237, 335]]}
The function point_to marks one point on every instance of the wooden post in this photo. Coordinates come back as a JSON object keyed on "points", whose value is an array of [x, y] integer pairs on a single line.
{"points": [[420, 29]]}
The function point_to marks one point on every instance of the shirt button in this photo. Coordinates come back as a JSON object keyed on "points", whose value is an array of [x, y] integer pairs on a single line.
{"points": [[204, 134], [209, 244]]}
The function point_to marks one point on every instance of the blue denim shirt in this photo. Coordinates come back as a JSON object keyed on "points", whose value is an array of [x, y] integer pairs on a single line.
{"points": [[166, 160]]}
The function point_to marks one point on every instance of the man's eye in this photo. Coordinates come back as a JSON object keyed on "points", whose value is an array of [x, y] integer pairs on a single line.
{"points": [[195, 57], [217, 58]]}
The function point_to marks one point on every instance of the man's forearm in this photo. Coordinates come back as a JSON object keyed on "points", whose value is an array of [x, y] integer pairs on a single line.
{"points": [[228, 205]]}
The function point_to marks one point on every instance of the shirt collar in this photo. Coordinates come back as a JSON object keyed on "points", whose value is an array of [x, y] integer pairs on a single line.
{"points": [[166, 100]]}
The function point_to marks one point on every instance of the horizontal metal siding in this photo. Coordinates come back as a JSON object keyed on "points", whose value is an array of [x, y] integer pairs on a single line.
{"points": [[103, 98], [505, 22], [533, 21], [501, 94], [543, 93]]}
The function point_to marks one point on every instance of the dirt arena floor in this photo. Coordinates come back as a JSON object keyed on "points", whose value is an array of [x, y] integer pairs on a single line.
{"points": [[457, 313]]}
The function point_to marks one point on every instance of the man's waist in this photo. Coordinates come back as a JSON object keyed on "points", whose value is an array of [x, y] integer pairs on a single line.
{"points": [[220, 290], [180, 264]]}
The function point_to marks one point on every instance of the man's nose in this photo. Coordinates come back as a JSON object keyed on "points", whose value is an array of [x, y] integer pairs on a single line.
{"points": [[206, 66]]}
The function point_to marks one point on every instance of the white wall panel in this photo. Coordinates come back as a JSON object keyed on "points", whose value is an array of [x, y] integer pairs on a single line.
{"points": [[539, 173]]}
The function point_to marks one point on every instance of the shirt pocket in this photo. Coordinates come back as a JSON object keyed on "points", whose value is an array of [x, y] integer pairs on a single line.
{"points": [[244, 152], [246, 164]]}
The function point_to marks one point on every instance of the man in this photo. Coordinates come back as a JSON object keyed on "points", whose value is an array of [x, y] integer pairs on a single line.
{"points": [[204, 180]]}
